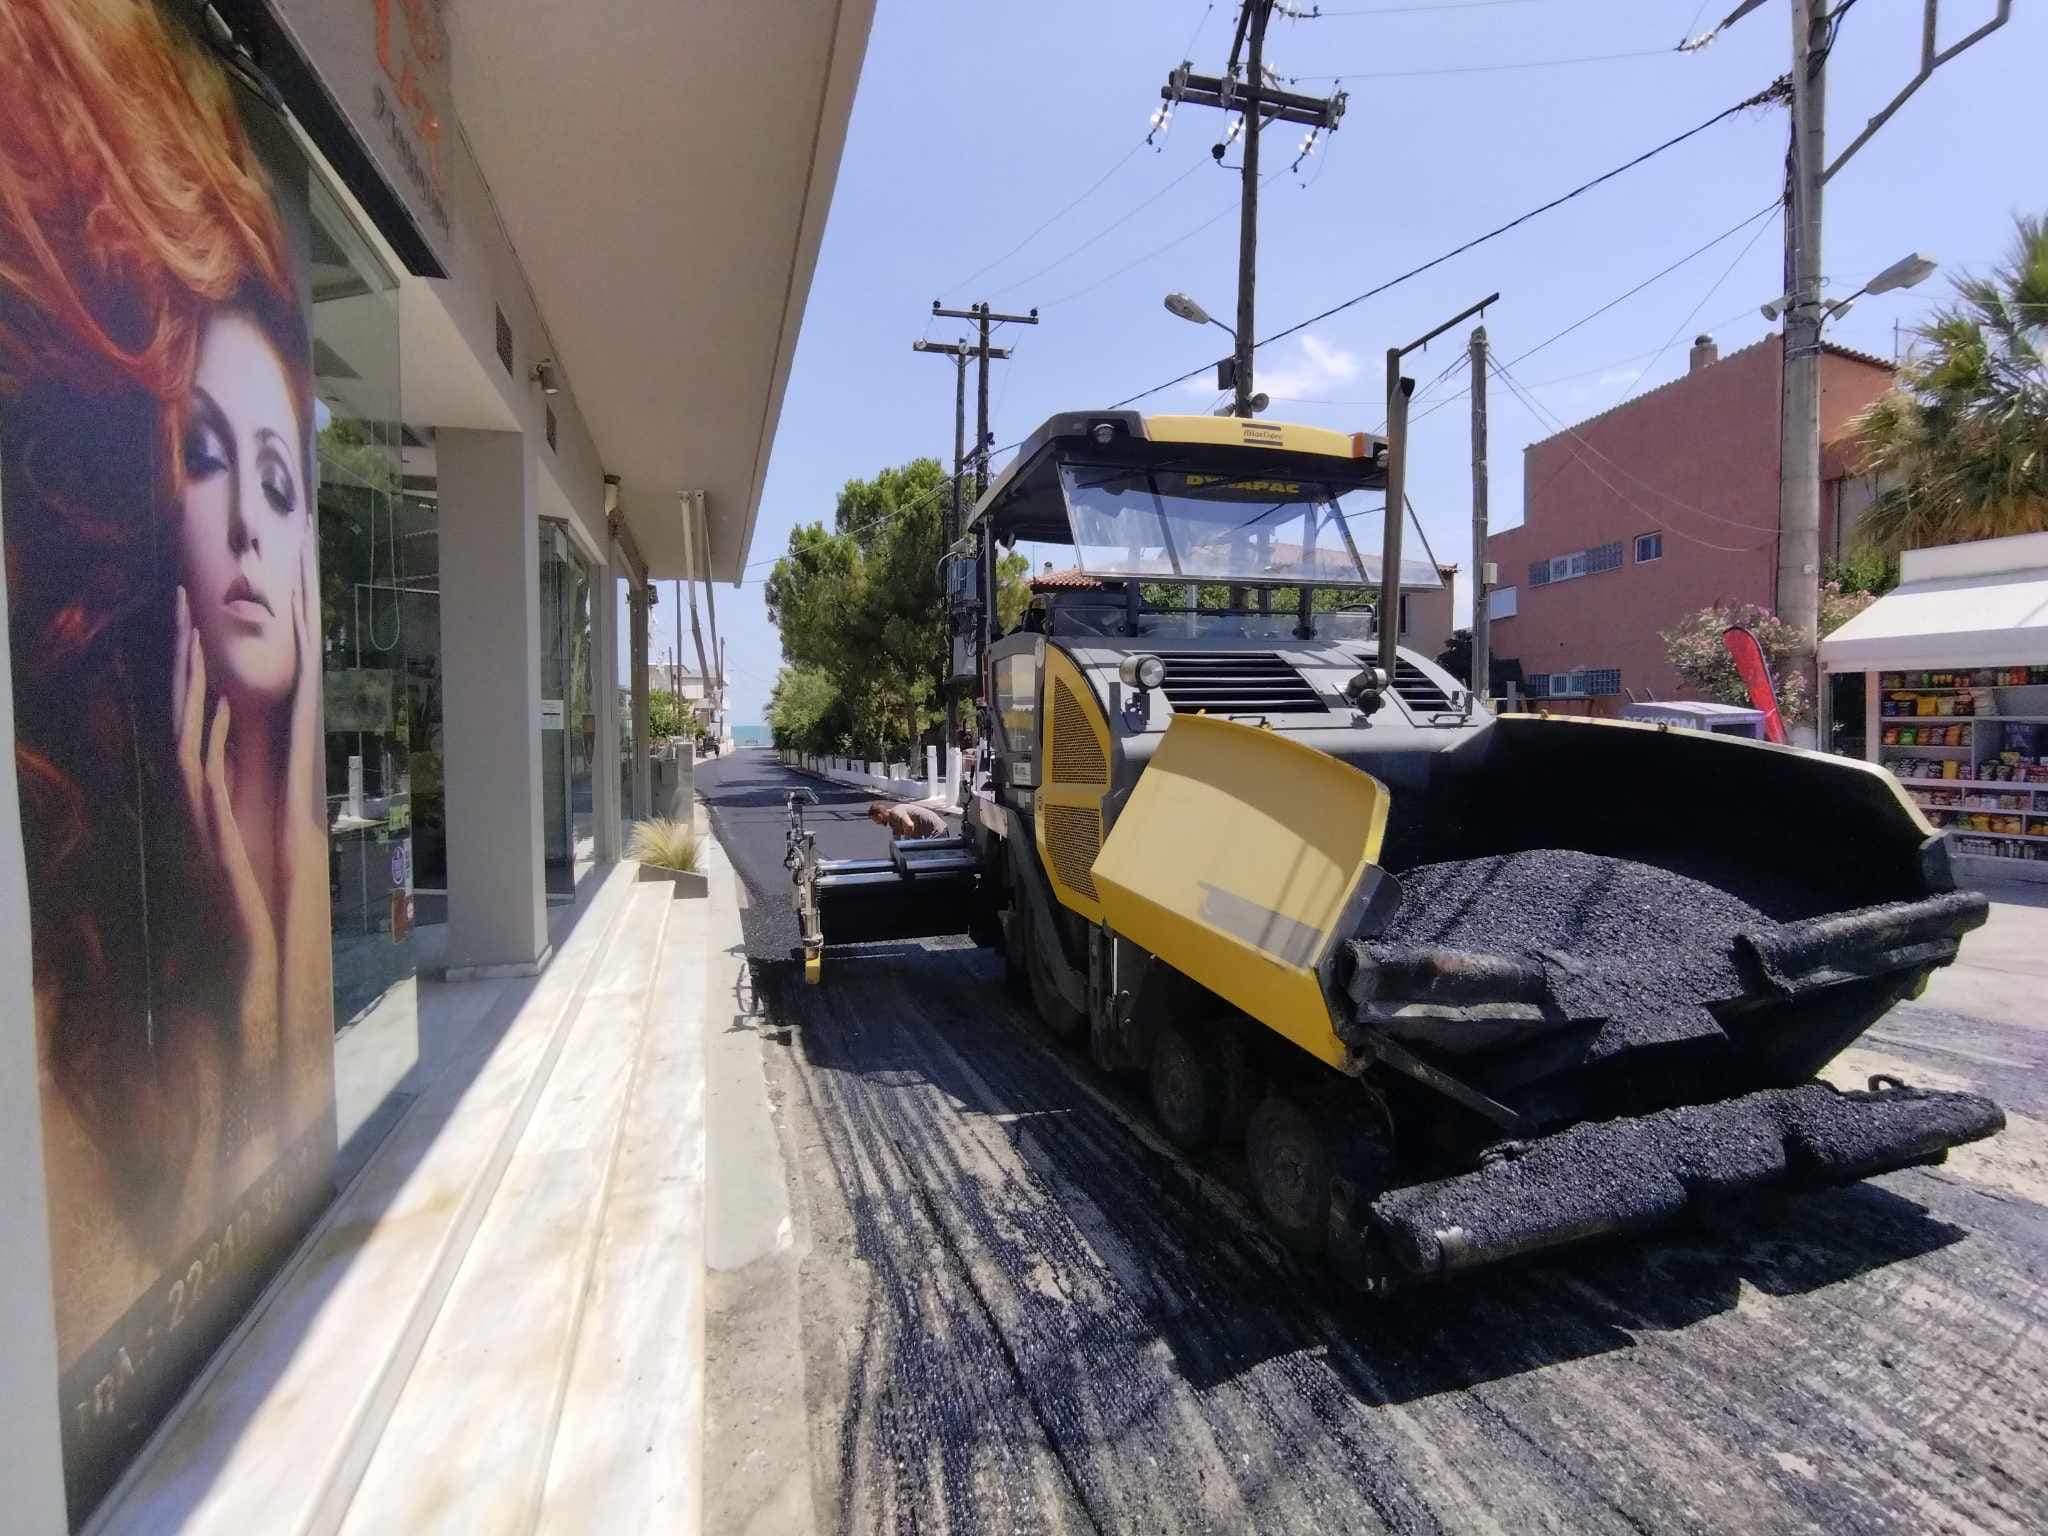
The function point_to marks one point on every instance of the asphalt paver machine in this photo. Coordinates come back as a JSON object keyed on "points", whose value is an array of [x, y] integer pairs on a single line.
{"points": [[1466, 986]]}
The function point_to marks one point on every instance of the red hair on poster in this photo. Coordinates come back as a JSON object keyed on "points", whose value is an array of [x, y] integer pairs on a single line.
{"points": [[1748, 656]]}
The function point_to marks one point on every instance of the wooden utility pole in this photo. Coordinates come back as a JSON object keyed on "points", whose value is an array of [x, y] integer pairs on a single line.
{"points": [[984, 317], [959, 351], [1258, 103], [1481, 621]]}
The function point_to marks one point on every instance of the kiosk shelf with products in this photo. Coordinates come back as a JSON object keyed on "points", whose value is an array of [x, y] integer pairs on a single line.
{"points": [[1955, 661]]}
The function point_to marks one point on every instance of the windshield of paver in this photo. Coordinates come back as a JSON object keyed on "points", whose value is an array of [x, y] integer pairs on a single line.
{"points": [[1192, 526]]}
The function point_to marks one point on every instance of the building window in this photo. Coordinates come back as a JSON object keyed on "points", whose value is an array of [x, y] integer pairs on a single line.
{"points": [[551, 426], [504, 341], [1579, 683], [1500, 603], [1404, 611], [1580, 562], [1649, 546]]}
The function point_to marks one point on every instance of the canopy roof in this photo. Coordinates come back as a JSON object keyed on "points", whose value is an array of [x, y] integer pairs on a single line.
{"points": [[1983, 604]]}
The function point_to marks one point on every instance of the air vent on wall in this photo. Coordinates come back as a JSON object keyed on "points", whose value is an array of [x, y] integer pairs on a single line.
{"points": [[1237, 683], [504, 340]]}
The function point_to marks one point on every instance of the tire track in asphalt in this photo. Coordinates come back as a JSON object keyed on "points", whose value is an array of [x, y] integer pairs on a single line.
{"points": [[951, 1392], [1111, 1338]]}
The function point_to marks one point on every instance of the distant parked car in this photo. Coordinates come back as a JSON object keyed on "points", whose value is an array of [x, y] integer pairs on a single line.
{"points": [[708, 747]]}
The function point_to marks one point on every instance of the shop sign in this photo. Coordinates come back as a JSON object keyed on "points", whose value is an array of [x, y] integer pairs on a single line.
{"points": [[385, 64]]}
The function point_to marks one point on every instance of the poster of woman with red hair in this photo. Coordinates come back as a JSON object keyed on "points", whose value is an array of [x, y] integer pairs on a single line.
{"points": [[158, 494]]}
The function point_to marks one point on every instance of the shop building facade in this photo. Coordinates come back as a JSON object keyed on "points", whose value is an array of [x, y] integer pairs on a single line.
{"points": [[362, 367]]}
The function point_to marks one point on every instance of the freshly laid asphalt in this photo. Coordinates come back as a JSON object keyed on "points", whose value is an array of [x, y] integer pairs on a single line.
{"points": [[1024, 1312]]}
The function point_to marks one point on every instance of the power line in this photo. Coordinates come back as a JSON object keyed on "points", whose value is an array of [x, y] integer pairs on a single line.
{"points": [[1776, 91], [1486, 69], [1544, 413], [1532, 385], [1636, 382], [1093, 187], [1679, 329], [1691, 255], [1319, 14], [1158, 250], [1126, 217], [1592, 469]]}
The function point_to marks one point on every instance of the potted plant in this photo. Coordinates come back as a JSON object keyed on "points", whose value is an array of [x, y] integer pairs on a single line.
{"points": [[669, 850]]}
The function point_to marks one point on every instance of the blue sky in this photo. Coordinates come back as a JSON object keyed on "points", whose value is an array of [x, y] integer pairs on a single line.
{"points": [[976, 120]]}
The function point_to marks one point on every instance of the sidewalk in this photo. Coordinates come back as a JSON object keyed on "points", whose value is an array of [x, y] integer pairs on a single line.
{"points": [[499, 1324]]}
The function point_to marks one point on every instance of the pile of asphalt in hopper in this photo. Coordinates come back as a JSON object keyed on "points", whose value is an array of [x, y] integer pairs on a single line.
{"points": [[1627, 942]]}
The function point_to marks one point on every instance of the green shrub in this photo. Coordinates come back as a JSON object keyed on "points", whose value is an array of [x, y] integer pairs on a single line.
{"points": [[666, 843]]}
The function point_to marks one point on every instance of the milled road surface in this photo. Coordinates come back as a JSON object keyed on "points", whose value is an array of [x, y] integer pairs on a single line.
{"points": [[1024, 1312]]}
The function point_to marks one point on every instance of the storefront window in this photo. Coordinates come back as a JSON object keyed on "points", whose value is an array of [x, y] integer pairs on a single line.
{"points": [[381, 696], [568, 708]]}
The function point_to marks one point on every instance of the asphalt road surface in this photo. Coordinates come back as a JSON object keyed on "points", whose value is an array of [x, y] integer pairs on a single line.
{"points": [[1024, 1312]]}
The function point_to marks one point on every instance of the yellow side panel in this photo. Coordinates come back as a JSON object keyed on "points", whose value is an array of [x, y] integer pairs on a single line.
{"points": [[1238, 432], [1073, 772], [1234, 860]]}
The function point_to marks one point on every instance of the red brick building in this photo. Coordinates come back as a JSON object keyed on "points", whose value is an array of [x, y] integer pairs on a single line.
{"points": [[1657, 508]]}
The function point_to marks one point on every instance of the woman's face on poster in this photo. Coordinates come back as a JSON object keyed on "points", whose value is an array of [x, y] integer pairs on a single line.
{"points": [[244, 518]]}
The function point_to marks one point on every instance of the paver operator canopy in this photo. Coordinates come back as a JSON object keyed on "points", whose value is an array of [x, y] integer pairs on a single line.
{"points": [[1468, 987]]}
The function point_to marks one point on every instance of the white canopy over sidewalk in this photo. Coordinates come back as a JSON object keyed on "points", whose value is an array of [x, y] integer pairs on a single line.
{"points": [[1958, 606]]}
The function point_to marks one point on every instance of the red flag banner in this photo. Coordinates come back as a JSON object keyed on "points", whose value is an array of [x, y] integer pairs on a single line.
{"points": [[1756, 676]]}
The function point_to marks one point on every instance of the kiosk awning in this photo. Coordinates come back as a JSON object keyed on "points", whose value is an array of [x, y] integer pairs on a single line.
{"points": [[1983, 604]]}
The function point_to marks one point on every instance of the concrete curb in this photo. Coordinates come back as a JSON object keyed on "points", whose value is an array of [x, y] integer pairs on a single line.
{"points": [[757, 1442]]}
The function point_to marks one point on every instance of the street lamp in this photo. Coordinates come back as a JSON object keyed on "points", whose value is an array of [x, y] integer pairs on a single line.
{"points": [[1180, 304], [1258, 403], [1906, 272]]}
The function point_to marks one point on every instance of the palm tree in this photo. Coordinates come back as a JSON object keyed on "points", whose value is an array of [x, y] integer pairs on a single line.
{"points": [[1961, 445]]}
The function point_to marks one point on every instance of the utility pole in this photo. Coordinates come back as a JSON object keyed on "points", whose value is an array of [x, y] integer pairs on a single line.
{"points": [[959, 351], [1481, 623], [1259, 13], [983, 317], [1398, 391], [1798, 585], [689, 503], [1807, 171], [1258, 103]]}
